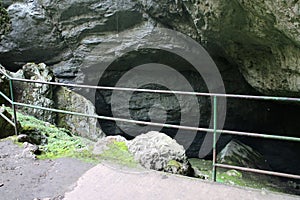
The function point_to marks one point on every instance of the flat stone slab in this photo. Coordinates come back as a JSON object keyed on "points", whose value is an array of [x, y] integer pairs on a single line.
{"points": [[107, 182]]}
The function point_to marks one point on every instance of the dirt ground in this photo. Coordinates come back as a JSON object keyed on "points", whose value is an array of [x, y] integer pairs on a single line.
{"points": [[25, 178]]}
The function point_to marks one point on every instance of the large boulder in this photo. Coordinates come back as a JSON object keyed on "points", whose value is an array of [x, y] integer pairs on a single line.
{"points": [[155, 150], [86, 127], [238, 154]]}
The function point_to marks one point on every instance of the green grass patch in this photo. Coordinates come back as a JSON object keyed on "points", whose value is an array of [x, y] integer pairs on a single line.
{"points": [[118, 153], [60, 141]]}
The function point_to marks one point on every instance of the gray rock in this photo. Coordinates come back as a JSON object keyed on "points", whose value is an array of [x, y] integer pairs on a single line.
{"points": [[29, 150], [261, 37], [86, 127], [23, 138], [155, 150], [33, 33], [253, 35], [48, 96], [34, 93], [238, 154], [6, 128], [32, 136], [4, 21]]}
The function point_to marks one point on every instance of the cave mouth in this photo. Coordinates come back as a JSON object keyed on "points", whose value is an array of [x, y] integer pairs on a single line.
{"points": [[144, 106], [268, 117]]}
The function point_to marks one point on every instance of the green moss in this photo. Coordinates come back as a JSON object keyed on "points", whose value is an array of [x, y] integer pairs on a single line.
{"points": [[234, 177], [117, 152], [174, 163], [60, 142]]}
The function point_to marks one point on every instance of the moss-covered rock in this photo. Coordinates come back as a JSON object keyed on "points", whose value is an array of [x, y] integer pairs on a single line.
{"points": [[203, 170]]}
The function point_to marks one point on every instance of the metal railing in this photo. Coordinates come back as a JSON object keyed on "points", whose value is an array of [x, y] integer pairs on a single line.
{"points": [[213, 131]]}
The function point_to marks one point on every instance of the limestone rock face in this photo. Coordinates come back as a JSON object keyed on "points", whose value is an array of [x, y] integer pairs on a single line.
{"points": [[4, 82], [261, 37], [4, 21], [158, 151], [33, 36]]}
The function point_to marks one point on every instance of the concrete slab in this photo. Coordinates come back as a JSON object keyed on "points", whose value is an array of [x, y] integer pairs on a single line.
{"points": [[104, 182]]}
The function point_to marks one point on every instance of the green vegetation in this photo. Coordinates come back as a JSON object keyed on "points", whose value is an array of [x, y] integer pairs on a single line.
{"points": [[117, 152], [234, 177], [61, 143]]}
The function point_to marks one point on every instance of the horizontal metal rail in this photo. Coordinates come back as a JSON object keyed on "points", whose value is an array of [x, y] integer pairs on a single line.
{"points": [[259, 171], [7, 119], [161, 91], [295, 139], [6, 98], [214, 131], [259, 135]]}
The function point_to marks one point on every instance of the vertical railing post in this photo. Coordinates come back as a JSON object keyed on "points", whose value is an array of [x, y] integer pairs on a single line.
{"points": [[215, 111], [11, 87]]}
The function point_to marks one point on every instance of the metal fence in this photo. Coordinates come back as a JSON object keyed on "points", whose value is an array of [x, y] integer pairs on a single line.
{"points": [[213, 131]]}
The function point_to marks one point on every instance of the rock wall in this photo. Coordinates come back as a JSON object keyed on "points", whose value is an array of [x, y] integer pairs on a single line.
{"points": [[261, 37], [253, 43]]}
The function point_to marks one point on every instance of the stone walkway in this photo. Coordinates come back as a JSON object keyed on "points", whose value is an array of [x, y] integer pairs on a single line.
{"points": [[112, 183]]}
